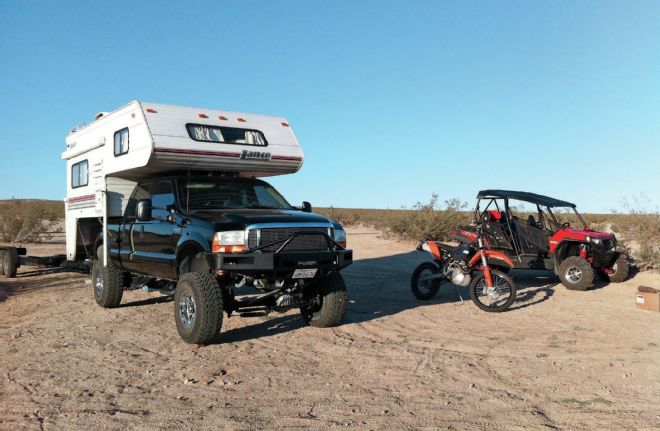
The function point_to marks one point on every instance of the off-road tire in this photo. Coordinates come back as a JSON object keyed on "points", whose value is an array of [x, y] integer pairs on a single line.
{"points": [[331, 292], [10, 262], [109, 294], [2, 262], [494, 274], [434, 284], [205, 322], [571, 281], [620, 268]]}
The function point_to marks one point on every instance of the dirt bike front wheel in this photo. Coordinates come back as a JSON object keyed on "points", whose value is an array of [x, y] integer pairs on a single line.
{"points": [[422, 286], [495, 299]]}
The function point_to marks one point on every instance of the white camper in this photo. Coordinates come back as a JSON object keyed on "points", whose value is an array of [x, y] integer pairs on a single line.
{"points": [[107, 157]]}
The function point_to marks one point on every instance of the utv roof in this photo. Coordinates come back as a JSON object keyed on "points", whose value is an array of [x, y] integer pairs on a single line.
{"points": [[524, 196]]}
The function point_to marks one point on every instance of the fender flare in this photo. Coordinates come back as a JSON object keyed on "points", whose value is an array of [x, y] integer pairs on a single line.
{"points": [[493, 255], [193, 241]]}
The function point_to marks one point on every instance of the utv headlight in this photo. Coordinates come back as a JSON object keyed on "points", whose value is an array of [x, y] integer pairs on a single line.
{"points": [[593, 240]]}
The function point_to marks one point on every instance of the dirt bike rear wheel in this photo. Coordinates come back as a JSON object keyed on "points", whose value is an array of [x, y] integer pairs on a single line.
{"points": [[425, 289]]}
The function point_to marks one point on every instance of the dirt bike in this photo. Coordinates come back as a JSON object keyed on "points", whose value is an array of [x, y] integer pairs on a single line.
{"points": [[465, 265]]}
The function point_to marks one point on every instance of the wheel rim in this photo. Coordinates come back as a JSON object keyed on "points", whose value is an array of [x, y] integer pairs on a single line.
{"points": [[99, 283], [187, 309], [614, 267], [496, 296], [573, 274], [424, 284]]}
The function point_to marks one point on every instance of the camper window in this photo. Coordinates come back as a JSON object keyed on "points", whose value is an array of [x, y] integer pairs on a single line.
{"points": [[79, 174], [121, 142], [226, 135]]}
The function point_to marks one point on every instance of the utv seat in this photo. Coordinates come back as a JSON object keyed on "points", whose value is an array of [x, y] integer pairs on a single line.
{"points": [[532, 222]]}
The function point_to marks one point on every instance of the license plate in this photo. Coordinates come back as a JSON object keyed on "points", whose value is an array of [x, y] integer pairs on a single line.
{"points": [[305, 273]]}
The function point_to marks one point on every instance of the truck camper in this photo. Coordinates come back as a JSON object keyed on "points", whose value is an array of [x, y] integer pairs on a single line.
{"points": [[171, 197]]}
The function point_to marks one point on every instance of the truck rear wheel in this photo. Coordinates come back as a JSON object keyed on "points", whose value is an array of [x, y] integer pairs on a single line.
{"points": [[326, 303], [576, 273], [108, 284], [619, 269], [198, 307], [10, 262]]}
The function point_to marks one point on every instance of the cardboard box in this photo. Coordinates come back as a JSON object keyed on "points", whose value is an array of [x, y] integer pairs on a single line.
{"points": [[647, 298]]}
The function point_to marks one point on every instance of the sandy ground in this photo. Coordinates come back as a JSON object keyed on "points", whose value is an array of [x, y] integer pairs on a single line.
{"points": [[558, 360]]}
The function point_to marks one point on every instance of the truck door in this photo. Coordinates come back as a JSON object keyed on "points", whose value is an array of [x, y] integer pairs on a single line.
{"points": [[154, 239], [128, 226]]}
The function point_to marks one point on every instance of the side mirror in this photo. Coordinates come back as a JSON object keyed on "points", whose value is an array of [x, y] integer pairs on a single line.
{"points": [[144, 210], [306, 207]]}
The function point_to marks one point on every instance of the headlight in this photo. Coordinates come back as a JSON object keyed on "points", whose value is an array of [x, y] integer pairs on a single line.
{"points": [[231, 237], [340, 236], [593, 240], [231, 241]]}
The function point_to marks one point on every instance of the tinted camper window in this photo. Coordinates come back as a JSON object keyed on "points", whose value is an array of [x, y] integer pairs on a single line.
{"points": [[79, 174], [121, 142], [226, 135]]}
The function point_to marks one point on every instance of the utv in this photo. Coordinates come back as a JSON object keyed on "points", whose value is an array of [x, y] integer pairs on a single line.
{"points": [[548, 234]]}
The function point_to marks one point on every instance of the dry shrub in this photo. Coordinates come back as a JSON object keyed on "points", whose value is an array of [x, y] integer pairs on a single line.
{"points": [[423, 221], [28, 220], [641, 225]]}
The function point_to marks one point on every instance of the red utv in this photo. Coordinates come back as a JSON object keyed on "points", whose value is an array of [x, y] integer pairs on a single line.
{"points": [[538, 232]]}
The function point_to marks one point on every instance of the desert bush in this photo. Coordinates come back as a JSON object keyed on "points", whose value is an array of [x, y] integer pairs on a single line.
{"points": [[27, 220], [641, 225]]}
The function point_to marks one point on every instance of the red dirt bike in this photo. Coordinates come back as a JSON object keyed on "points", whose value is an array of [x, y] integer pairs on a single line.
{"points": [[482, 269]]}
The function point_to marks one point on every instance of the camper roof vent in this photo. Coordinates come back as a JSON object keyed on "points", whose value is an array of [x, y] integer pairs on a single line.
{"points": [[100, 114]]}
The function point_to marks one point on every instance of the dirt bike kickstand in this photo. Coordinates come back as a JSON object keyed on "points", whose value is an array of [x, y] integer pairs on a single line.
{"points": [[458, 293]]}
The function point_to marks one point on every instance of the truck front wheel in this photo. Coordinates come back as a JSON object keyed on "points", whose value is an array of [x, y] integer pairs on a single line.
{"points": [[325, 303], [198, 307], [108, 285]]}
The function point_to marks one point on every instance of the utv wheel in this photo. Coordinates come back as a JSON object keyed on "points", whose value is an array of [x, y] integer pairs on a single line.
{"points": [[576, 273], [10, 262], [2, 262], [493, 300], [198, 307], [620, 269], [326, 303], [421, 288], [108, 283]]}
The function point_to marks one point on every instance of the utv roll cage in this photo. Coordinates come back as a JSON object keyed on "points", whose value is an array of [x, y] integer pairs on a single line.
{"points": [[506, 216]]}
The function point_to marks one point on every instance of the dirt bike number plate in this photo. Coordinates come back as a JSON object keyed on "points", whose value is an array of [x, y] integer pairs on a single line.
{"points": [[304, 273]]}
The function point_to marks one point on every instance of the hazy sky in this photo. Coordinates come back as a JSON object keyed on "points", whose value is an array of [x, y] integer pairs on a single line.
{"points": [[392, 101]]}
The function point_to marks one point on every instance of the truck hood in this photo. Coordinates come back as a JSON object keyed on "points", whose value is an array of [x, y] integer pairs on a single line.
{"points": [[239, 219]]}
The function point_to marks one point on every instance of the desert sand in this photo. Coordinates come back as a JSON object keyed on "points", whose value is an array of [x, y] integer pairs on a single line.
{"points": [[558, 359]]}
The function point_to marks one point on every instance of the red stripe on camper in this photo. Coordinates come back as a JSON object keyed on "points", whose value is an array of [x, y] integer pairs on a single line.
{"points": [[81, 198], [200, 153], [295, 159]]}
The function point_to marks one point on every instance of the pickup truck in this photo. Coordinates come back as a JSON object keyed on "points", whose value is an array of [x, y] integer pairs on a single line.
{"points": [[210, 236]]}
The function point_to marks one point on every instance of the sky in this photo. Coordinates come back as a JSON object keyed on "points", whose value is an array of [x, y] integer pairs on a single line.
{"points": [[392, 101]]}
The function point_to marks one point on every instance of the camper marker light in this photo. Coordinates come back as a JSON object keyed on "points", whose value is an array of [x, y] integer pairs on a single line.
{"points": [[222, 117], [153, 111], [285, 124], [240, 120], [203, 116]]}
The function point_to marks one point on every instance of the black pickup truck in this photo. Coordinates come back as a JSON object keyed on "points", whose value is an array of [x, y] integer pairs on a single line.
{"points": [[210, 236]]}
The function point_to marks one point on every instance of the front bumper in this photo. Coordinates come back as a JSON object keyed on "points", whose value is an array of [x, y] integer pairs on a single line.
{"points": [[281, 264]]}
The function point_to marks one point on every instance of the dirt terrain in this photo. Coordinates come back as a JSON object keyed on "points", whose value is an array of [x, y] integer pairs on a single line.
{"points": [[558, 360]]}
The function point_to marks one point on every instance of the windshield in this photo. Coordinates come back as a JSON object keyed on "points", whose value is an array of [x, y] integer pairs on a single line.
{"points": [[197, 194]]}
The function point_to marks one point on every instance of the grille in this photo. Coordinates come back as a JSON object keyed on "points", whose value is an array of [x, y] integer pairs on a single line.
{"points": [[300, 243]]}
